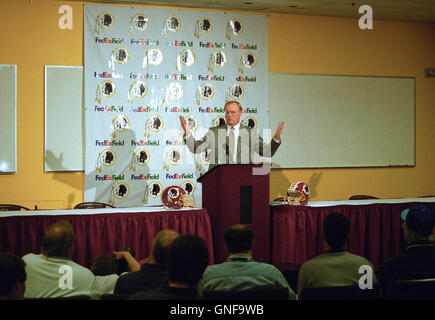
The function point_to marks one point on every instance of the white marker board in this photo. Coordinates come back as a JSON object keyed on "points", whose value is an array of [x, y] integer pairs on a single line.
{"points": [[8, 118], [64, 133], [343, 121]]}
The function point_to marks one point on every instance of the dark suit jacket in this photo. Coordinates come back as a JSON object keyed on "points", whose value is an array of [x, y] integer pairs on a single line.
{"points": [[150, 276], [249, 143]]}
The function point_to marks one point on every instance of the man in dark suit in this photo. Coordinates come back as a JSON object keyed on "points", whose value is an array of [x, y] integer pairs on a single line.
{"points": [[232, 143]]}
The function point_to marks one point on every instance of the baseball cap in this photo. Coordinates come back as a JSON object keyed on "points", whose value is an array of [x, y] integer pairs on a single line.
{"points": [[420, 219]]}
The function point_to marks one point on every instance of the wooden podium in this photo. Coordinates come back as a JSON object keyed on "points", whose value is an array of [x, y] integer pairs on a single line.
{"points": [[238, 194]]}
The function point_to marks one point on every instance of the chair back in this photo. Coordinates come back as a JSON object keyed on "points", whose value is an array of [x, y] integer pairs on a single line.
{"points": [[12, 207], [267, 293], [416, 289], [70, 298], [93, 205], [362, 197], [353, 292], [110, 297]]}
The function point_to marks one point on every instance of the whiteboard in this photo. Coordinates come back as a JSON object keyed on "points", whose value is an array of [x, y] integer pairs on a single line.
{"points": [[8, 118], [343, 121], [64, 134]]}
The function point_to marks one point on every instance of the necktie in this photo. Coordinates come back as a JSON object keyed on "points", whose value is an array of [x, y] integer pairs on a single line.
{"points": [[231, 144]]}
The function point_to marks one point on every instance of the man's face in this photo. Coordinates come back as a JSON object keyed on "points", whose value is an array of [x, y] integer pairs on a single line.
{"points": [[232, 114]]}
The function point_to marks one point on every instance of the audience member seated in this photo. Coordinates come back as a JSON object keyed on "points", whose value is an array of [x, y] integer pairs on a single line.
{"points": [[240, 272], [52, 273], [336, 267], [12, 277], [187, 259], [154, 272], [418, 260], [108, 268]]}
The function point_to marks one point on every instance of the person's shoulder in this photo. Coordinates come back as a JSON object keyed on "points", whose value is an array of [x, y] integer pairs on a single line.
{"points": [[30, 256], [358, 258]]}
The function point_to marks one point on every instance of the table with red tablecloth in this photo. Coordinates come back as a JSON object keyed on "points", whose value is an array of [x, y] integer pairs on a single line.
{"points": [[375, 229], [100, 231]]}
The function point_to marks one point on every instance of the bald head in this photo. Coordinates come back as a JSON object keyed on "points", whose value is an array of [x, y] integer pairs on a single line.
{"points": [[161, 243], [58, 240]]}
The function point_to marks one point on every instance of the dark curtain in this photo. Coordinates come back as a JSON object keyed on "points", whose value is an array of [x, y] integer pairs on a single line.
{"points": [[99, 234], [375, 232]]}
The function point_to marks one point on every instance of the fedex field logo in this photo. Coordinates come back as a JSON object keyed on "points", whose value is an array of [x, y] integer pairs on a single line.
{"points": [[104, 74], [107, 177], [178, 43], [144, 109], [109, 142], [211, 110], [244, 46], [175, 142], [178, 176], [109, 41], [212, 45], [142, 176], [246, 79], [142, 143], [211, 78], [142, 42], [107, 108]]}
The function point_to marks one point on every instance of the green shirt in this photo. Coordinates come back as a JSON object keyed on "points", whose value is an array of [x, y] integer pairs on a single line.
{"points": [[240, 273], [332, 269], [49, 277]]}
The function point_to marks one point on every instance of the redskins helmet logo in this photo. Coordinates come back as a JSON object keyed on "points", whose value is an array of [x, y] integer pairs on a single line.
{"points": [[236, 91], [174, 197], [219, 58], [105, 20], [155, 189], [250, 122], [234, 27], [155, 123], [219, 121], [206, 91], [174, 157], [298, 192], [105, 89], [189, 187], [139, 22], [187, 57], [121, 123], [203, 25], [249, 60], [153, 56], [174, 91], [120, 55], [138, 89], [191, 122], [121, 190], [172, 24], [141, 157], [107, 157]]}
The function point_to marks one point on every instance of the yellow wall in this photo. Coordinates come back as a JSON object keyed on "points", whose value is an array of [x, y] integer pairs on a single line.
{"points": [[31, 39]]}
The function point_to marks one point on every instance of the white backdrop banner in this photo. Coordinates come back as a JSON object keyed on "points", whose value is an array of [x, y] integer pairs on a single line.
{"points": [[144, 67]]}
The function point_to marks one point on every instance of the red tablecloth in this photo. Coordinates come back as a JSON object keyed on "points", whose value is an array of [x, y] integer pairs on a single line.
{"points": [[99, 234], [375, 232]]}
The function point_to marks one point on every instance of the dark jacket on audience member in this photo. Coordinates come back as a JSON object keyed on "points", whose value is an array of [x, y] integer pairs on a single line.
{"points": [[417, 262], [149, 277]]}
